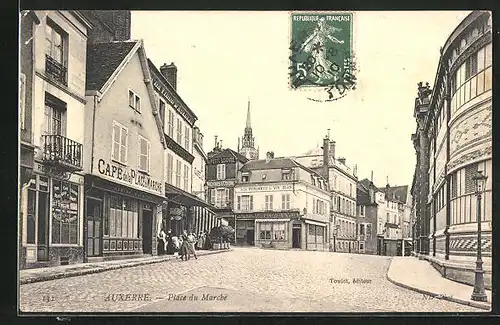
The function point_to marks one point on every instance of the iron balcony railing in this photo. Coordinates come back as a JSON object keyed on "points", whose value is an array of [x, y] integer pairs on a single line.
{"points": [[55, 69], [59, 150]]}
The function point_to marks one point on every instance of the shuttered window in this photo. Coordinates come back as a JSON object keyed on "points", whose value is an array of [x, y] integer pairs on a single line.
{"points": [[120, 142], [144, 154]]}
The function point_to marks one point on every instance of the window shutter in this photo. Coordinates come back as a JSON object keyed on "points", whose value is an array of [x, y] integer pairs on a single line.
{"points": [[126, 144], [251, 202], [114, 142], [224, 171], [212, 196], [149, 156], [139, 154], [239, 202]]}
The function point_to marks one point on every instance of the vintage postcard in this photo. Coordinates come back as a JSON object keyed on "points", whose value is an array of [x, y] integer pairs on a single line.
{"points": [[255, 161]]}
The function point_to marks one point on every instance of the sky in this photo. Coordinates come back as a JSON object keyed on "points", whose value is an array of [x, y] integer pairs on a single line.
{"points": [[226, 58]]}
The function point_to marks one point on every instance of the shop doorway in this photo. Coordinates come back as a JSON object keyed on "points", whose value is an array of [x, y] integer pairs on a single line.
{"points": [[147, 231], [296, 237], [94, 226], [251, 237], [43, 227]]}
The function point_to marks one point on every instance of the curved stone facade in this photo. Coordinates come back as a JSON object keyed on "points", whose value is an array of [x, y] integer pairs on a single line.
{"points": [[455, 138]]}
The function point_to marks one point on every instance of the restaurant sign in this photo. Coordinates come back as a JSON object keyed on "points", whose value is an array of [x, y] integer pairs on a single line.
{"points": [[221, 160], [130, 176], [220, 183], [264, 188], [268, 215]]}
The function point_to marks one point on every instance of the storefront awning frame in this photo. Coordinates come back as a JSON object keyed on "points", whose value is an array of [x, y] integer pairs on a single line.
{"points": [[178, 196], [316, 223]]}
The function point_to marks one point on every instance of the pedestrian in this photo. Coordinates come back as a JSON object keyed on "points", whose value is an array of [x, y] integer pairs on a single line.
{"points": [[176, 246], [184, 246], [162, 242], [208, 241], [170, 245], [191, 242], [199, 242]]}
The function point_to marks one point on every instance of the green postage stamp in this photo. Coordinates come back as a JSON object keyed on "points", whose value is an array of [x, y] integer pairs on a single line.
{"points": [[321, 53]]}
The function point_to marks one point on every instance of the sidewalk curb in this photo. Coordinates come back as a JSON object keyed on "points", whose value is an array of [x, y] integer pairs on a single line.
{"points": [[437, 295], [100, 269]]}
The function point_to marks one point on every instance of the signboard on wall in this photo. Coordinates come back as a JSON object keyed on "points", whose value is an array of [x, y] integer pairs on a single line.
{"points": [[221, 160], [130, 176], [221, 183], [264, 188]]}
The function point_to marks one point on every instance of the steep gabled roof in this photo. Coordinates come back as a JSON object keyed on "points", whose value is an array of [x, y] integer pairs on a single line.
{"points": [[231, 152], [102, 61]]}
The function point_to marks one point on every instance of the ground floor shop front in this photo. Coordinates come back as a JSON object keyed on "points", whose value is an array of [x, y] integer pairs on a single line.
{"points": [[51, 217], [120, 221], [280, 231]]}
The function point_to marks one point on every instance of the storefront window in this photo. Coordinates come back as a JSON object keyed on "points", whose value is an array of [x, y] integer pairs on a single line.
{"points": [[265, 231], [30, 228], [279, 231], [123, 217], [64, 212]]}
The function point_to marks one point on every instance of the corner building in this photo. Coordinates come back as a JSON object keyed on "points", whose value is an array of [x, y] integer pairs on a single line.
{"points": [[452, 142], [52, 194], [124, 156], [287, 203]]}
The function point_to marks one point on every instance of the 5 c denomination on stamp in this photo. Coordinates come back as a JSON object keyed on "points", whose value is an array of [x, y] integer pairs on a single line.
{"points": [[321, 53]]}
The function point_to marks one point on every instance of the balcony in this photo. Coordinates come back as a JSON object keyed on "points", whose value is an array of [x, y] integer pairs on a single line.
{"points": [[55, 70], [62, 152]]}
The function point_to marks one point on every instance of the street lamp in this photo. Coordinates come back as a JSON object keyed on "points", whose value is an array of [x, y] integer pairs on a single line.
{"points": [[478, 294]]}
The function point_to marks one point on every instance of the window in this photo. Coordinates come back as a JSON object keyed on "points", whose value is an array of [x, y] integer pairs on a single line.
{"points": [[350, 189], [170, 123], [269, 202], [221, 171], [55, 40], [179, 131], [454, 185], [144, 154], [361, 210], [162, 111], [265, 230], [22, 96], [245, 178], [220, 200], [134, 101], [186, 178], [314, 162], [123, 217], [178, 174], [285, 174], [186, 138], [361, 229], [212, 196], [246, 203], [264, 176], [285, 202], [279, 231], [170, 169], [64, 212], [120, 143], [388, 217], [239, 203], [470, 171]]}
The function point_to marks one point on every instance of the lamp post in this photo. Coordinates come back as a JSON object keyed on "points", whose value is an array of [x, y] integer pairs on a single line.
{"points": [[478, 294]]}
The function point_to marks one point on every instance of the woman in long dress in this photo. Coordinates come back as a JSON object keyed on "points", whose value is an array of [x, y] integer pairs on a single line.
{"points": [[162, 243], [185, 246], [191, 243], [170, 245]]}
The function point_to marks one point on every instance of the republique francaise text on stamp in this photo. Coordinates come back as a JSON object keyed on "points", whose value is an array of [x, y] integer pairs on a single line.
{"points": [[321, 53]]}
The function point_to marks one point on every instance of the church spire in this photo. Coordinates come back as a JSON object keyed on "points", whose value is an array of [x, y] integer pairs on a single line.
{"points": [[248, 124]]}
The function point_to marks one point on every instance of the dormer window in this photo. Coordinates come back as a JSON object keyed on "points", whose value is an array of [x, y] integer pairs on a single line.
{"points": [[264, 176], [286, 174], [245, 177]]}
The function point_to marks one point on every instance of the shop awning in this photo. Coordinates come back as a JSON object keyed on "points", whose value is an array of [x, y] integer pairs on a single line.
{"points": [[322, 224], [271, 220], [186, 199]]}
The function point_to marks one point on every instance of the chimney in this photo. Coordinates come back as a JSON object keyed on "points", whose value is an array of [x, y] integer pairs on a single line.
{"points": [[342, 160], [332, 149], [326, 155], [269, 156], [170, 73]]}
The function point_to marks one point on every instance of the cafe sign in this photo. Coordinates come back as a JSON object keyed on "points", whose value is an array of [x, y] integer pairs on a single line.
{"points": [[130, 176], [265, 188]]}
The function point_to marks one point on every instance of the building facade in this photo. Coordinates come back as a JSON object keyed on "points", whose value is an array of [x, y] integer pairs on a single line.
{"points": [[367, 211], [453, 141], [52, 201], [281, 204], [184, 209], [342, 185], [124, 182], [222, 176], [248, 140]]}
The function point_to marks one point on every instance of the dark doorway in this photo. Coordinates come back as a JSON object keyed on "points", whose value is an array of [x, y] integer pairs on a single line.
{"points": [[43, 227], [94, 226], [147, 231], [296, 238], [250, 236]]}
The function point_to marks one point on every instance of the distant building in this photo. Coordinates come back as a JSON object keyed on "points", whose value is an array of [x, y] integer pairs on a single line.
{"points": [[221, 177], [367, 211], [281, 204], [248, 141], [342, 185]]}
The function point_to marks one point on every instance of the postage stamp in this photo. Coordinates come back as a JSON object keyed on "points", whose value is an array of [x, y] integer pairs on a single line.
{"points": [[321, 53]]}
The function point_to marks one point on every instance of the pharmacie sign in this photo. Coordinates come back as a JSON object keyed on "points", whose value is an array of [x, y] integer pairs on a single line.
{"points": [[129, 175]]}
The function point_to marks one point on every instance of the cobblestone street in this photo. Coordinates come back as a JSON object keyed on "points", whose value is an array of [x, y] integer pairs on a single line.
{"points": [[242, 280]]}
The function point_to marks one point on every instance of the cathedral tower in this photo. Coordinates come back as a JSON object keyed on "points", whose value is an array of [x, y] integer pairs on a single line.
{"points": [[248, 141]]}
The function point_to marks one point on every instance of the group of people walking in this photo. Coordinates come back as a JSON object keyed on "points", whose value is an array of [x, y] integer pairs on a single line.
{"points": [[184, 245]]}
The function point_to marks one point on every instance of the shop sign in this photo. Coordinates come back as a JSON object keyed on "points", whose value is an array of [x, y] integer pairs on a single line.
{"points": [[130, 176], [52, 172], [264, 188], [268, 215], [222, 160], [220, 183]]}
